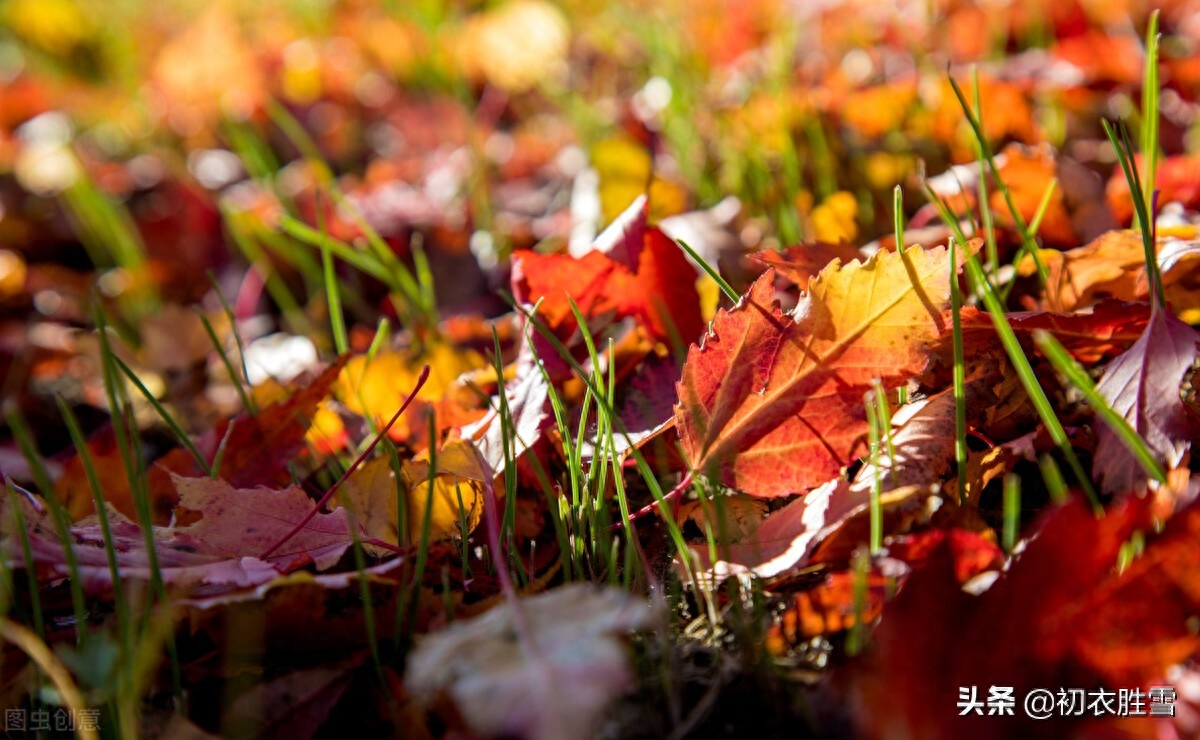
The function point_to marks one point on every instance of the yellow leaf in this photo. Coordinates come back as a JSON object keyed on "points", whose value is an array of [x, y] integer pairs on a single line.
{"points": [[625, 167], [459, 480], [834, 221], [710, 296], [378, 387], [370, 495], [57, 26], [447, 514]]}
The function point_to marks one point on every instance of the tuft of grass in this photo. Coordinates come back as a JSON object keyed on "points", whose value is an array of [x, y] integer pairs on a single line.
{"points": [[1119, 138], [982, 287], [643, 467]]}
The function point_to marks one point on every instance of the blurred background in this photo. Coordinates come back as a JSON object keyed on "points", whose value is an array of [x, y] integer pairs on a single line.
{"points": [[149, 151]]}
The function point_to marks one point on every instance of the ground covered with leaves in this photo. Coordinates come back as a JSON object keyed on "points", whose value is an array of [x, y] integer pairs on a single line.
{"points": [[532, 369]]}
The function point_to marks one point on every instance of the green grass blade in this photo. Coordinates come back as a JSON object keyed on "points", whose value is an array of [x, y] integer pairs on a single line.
{"points": [[1012, 511], [985, 210], [1124, 151], [58, 515], [873, 441], [1065, 364], [1028, 245], [163, 414], [959, 372], [982, 287], [333, 291], [1043, 206], [238, 380], [711, 271], [1150, 117]]}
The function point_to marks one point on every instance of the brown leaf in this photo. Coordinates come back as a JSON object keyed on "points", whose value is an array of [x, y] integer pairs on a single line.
{"points": [[295, 705], [240, 523], [923, 437]]}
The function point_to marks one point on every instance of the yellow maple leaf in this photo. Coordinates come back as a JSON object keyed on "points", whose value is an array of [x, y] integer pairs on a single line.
{"points": [[372, 495]]}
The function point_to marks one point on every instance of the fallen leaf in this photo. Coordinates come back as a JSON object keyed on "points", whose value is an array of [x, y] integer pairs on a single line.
{"points": [[835, 219], [773, 403], [371, 494], [1144, 386], [208, 71], [805, 261], [295, 705], [548, 674], [376, 387], [75, 491], [646, 277], [258, 448], [1027, 173], [514, 44], [237, 523], [827, 608], [1111, 266], [788, 536], [528, 398], [457, 496], [923, 437], [1063, 616], [1104, 329], [216, 554]]}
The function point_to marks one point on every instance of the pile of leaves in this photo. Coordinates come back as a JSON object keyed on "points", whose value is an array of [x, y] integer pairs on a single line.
{"points": [[520, 371]]}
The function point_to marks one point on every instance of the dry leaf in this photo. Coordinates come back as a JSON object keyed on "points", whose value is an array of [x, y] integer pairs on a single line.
{"points": [[549, 676], [1143, 386]]}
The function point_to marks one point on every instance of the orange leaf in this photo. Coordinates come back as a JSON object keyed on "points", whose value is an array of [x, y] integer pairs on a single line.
{"points": [[774, 401]]}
